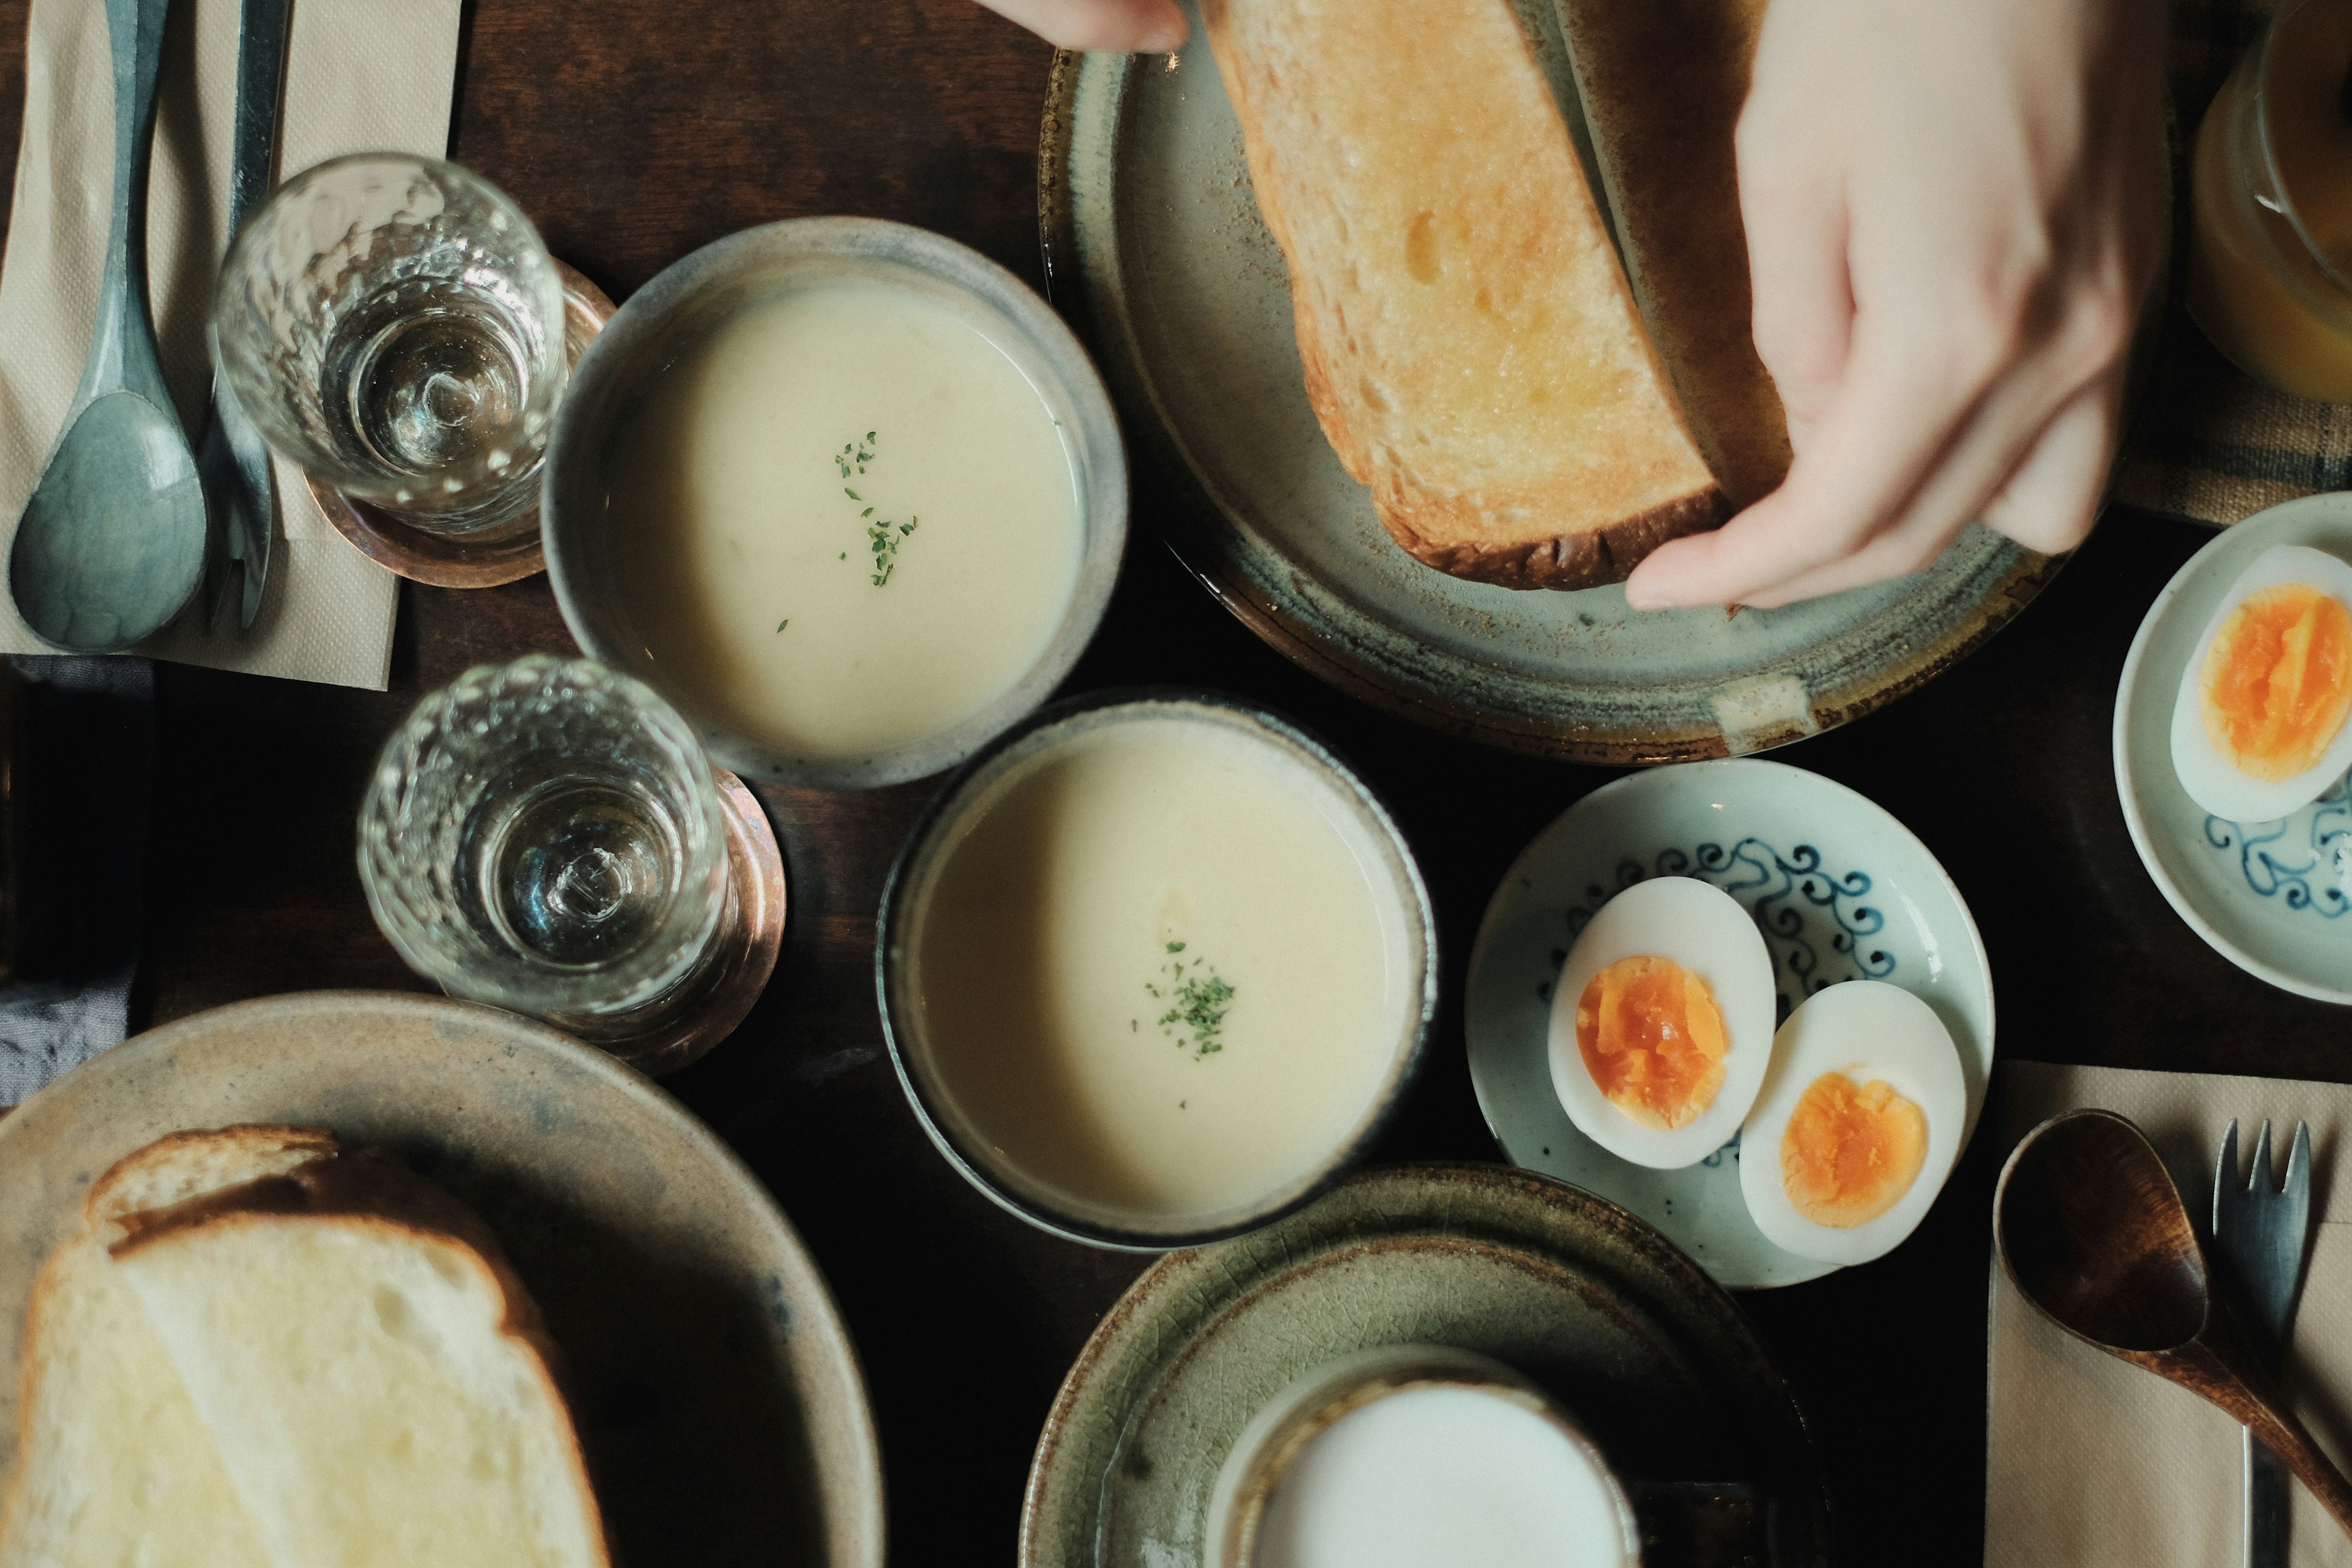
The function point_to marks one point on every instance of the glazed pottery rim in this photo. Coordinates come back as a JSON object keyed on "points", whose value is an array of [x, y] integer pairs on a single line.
{"points": [[1901, 831], [617, 365], [869, 1482], [950, 807], [2137, 815], [1079, 1385], [1328, 659], [1282, 1431]]}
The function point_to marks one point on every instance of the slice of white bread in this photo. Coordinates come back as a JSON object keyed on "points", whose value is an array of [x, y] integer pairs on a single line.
{"points": [[1663, 82], [374, 1374], [1470, 344], [113, 1465]]}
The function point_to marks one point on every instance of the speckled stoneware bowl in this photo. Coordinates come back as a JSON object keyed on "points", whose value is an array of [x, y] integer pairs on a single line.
{"points": [[1278, 1434], [1154, 244], [715, 1389], [1839, 890], [1585, 1300], [693, 296], [2273, 897], [1406, 921]]}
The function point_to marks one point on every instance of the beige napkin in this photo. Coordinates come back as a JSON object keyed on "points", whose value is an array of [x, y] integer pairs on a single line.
{"points": [[362, 75], [2090, 1461]]}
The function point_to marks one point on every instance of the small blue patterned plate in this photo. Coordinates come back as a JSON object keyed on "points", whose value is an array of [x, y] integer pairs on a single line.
{"points": [[2272, 898], [1841, 891]]}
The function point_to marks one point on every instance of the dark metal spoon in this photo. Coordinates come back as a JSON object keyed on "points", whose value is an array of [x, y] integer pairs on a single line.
{"points": [[2091, 1229], [112, 544]]}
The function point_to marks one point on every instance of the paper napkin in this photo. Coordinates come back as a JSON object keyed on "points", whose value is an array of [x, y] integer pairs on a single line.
{"points": [[360, 76], [2091, 1462]]}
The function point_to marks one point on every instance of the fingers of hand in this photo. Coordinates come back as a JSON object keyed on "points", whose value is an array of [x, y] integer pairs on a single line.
{"points": [[2050, 501], [1920, 438], [1148, 27], [1801, 296]]}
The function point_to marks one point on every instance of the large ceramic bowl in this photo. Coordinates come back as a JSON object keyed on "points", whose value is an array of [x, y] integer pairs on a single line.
{"points": [[696, 294], [1408, 931]]}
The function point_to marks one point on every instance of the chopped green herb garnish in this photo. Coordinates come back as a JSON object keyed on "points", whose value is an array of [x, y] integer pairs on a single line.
{"points": [[782, 624], [852, 494], [882, 534], [1201, 999]]}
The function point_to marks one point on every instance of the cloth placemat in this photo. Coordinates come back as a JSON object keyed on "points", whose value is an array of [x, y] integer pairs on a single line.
{"points": [[2091, 1462], [360, 76], [2211, 443]]}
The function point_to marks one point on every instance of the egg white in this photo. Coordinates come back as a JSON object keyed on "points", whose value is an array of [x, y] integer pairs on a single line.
{"points": [[2211, 779], [1865, 1029], [1703, 929]]}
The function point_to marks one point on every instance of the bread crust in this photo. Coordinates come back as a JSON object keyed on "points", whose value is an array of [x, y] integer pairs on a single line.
{"points": [[1576, 559]]}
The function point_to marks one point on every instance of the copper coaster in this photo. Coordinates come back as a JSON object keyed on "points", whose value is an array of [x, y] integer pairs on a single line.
{"points": [[513, 552], [752, 943]]}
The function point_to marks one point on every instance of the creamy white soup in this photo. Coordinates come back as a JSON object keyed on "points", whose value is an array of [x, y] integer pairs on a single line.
{"points": [[848, 520], [1439, 1478], [1155, 977]]}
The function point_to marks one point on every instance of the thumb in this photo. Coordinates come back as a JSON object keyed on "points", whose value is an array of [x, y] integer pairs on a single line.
{"points": [[1143, 26]]}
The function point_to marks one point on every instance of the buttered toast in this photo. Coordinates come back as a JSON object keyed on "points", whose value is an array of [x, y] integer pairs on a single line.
{"points": [[1470, 344]]}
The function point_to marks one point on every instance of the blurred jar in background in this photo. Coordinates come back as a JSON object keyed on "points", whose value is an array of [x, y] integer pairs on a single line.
{"points": [[2270, 256]]}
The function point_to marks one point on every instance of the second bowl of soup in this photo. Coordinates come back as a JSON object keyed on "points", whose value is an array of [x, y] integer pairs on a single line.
{"points": [[1154, 968]]}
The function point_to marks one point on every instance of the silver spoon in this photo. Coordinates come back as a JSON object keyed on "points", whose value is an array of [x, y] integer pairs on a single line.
{"points": [[112, 544]]}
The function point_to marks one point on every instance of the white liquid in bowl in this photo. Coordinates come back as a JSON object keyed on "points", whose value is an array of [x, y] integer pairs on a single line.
{"points": [[1157, 978], [745, 552], [1442, 1477]]}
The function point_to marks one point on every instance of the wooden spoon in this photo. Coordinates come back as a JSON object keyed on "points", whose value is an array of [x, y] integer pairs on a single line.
{"points": [[2091, 1230]]}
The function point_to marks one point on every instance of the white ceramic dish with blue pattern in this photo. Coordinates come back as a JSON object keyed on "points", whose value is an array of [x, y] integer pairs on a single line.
{"points": [[2272, 898], [1841, 891]]}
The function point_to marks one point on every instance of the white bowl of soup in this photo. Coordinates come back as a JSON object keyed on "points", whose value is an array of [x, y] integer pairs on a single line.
{"points": [[1154, 969], [845, 492]]}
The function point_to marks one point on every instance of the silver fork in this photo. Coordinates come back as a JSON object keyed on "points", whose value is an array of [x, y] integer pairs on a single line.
{"points": [[2260, 1233]]}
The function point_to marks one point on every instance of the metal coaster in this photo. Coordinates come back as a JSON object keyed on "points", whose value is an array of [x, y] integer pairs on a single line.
{"points": [[751, 943], [508, 554]]}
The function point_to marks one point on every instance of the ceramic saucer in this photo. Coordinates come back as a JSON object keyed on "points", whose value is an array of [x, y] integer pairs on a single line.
{"points": [[2272, 898], [1841, 891], [1653, 1360]]}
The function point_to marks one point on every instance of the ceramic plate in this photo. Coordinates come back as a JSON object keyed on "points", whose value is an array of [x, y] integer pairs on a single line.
{"points": [[718, 1398], [1154, 246], [2271, 897], [1841, 891], [1637, 1344]]}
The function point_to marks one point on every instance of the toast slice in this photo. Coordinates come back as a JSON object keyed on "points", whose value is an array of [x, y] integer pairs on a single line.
{"points": [[1663, 82], [113, 1464], [1471, 347], [371, 1372]]}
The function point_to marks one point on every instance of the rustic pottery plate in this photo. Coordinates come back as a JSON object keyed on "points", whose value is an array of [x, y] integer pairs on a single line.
{"points": [[2271, 897], [1154, 246], [717, 1393], [1647, 1353], [1841, 891]]}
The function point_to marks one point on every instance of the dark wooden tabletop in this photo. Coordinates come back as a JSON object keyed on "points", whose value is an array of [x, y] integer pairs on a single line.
{"points": [[634, 132]]}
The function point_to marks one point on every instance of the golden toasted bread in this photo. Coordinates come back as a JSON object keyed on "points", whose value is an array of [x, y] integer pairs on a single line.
{"points": [[1663, 82], [1470, 344]]}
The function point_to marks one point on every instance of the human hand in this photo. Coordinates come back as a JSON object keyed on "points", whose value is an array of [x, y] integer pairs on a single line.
{"points": [[1953, 212], [1141, 26]]}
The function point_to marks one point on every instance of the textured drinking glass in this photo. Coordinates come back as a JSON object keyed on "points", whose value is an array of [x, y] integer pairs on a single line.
{"points": [[545, 836], [393, 325]]}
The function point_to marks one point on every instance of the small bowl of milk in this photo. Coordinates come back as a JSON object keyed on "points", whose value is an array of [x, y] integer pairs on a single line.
{"points": [[1155, 968], [845, 492], [1406, 1455]]}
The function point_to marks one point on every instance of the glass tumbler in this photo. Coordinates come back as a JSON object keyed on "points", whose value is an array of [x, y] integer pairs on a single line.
{"points": [[545, 836], [393, 325]]}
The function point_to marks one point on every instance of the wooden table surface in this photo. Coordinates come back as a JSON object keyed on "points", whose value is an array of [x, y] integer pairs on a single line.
{"points": [[634, 132]]}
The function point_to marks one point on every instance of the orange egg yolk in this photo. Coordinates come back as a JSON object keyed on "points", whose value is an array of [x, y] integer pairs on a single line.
{"points": [[1851, 1151], [1653, 1039], [2278, 680]]}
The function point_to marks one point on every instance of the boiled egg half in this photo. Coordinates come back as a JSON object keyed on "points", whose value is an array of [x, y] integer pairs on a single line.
{"points": [[2258, 731], [1661, 1023], [1857, 1126]]}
